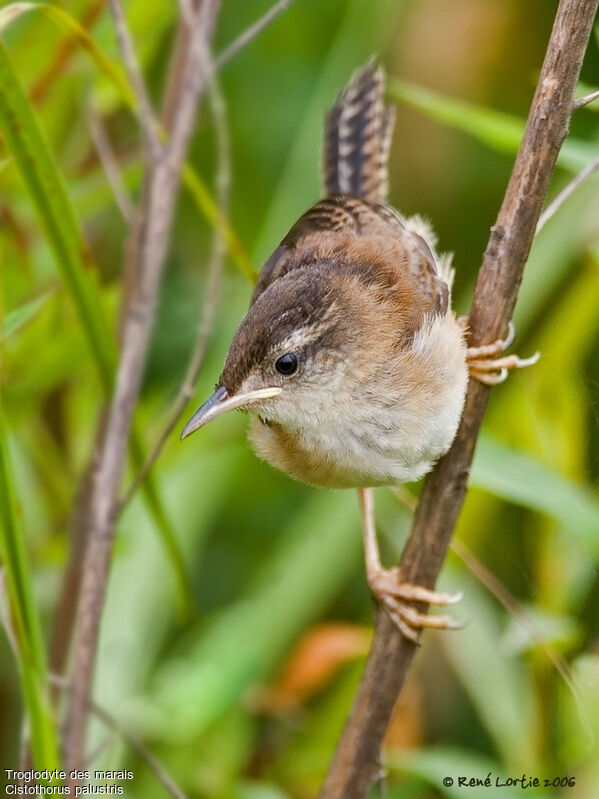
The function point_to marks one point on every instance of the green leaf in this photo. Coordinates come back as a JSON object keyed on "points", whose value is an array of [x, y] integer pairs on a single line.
{"points": [[25, 620], [38, 169], [522, 480], [501, 131], [14, 320]]}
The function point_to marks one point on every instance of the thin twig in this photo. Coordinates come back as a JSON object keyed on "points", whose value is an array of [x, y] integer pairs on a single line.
{"points": [[189, 7], [147, 119], [99, 749], [130, 739], [251, 33], [110, 166], [148, 244], [187, 12], [212, 290], [555, 204], [355, 763], [582, 101], [511, 604], [66, 607], [177, 60]]}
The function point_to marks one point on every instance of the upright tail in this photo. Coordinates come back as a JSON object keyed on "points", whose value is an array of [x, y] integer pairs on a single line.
{"points": [[357, 137]]}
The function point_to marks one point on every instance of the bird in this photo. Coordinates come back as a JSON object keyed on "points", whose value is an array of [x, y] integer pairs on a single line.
{"points": [[350, 360]]}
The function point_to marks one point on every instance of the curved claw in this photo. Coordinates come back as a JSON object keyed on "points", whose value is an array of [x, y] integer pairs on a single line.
{"points": [[411, 622], [486, 365], [408, 632], [488, 378], [395, 596], [529, 361], [511, 335]]}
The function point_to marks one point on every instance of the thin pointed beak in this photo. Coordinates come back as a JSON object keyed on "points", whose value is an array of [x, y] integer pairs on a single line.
{"points": [[220, 402]]}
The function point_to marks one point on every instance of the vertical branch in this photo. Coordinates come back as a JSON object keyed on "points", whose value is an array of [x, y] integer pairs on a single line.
{"points": [[145, 257], [208, 313], [146, 115], [356, 762]]}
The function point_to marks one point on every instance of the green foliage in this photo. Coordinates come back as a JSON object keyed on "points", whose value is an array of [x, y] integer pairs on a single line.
{"points": [[507, 473], [221, 695], [33, 157], [500, 131], [20, 316], [21, 614]]}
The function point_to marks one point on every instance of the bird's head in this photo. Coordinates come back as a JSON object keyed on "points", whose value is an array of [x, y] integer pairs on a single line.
{"points": [[289, 355]]}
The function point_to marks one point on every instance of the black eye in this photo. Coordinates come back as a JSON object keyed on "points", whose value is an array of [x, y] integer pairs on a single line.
{"points": [[287, 364]]}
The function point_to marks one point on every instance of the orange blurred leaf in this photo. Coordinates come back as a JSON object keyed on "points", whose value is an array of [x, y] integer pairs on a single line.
{"points": [[313, 663]]}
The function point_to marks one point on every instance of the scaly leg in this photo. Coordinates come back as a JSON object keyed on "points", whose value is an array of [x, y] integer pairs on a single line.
{"points": [[485, 363], [391, 592]]}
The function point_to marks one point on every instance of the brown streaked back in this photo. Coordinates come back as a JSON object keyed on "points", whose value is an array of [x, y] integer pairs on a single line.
{"points": [[341, 224]]}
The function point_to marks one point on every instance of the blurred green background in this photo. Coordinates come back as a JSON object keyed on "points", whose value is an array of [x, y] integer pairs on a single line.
{"points": [[239, 680]]}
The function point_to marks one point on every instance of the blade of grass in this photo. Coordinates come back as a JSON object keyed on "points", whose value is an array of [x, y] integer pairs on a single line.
{"points": [[496, 129], [15, 320], [25, 620], [36, 165]]}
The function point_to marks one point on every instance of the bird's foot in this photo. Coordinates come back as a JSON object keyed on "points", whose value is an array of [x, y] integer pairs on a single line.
{"points": [[487, 364], [395, 596]]}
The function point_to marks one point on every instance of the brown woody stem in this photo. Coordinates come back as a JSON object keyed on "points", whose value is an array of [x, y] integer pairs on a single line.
{"points": [[356, 763], [148, 244]]}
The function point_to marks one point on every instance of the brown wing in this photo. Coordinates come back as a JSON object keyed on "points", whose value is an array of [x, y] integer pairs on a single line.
{"points": [[343, 216]]}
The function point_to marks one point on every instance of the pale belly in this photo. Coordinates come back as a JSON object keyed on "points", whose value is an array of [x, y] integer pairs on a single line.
{"points": [[330, 460]]}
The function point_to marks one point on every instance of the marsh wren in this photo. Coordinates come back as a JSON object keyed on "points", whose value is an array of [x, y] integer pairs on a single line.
{"points": [[350, 359]]}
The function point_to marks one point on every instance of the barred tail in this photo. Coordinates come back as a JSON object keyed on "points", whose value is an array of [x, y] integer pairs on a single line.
{"points": [[357, 138]]}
